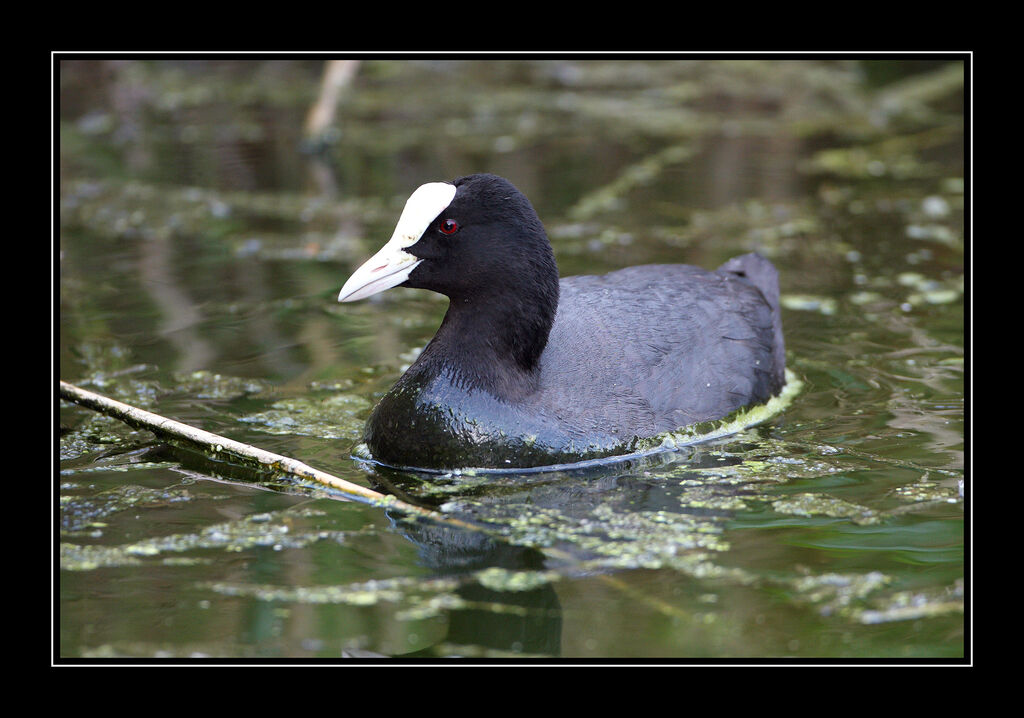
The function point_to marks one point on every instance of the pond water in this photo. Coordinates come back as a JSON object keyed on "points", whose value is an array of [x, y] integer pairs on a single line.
{"points": [[203, 238]]}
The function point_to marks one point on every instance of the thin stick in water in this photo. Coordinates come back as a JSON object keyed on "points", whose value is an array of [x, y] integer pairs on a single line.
{"points": [[228, 449]]}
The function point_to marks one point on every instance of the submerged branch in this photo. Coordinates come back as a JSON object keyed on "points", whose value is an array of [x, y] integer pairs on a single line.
{"points": [[226, 449]]}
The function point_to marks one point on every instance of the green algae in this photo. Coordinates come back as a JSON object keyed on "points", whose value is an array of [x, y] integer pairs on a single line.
{"points": [[813, 504], [713, 497], [928, 491], [606, 534], [501, 579], [263, 530], [836, 593], [868, 599], [366, 593], [204, 384], [899, 157], [636, 175], [87, 513], [338, 415], [808, 303], [416, 598], [94, 436], [612, 537], [108, 369], [931, 290], [913, 605]]}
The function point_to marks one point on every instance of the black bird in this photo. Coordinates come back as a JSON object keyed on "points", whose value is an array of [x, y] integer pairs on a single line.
{"points": [[528, 370]]}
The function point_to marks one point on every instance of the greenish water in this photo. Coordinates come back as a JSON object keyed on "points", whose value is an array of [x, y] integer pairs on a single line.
{"points": [[199, 257]]}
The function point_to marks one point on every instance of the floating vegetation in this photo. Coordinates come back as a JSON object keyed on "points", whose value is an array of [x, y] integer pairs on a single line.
{"points": [[88, 513], [134, 210], [95, 436], [339, 415], [913, 605], [809, 504], [365, 593], [643, 172], [501, 579], [898, 157], [834, 592], [925, 490], [807, 303], [204, 384], [268, 530], [931, 291]]}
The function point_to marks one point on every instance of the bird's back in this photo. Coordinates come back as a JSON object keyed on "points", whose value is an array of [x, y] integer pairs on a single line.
{"points": [[653, 348]]}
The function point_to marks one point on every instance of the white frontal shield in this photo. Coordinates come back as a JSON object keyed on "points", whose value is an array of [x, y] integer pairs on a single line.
{"points": [[392, 264]]}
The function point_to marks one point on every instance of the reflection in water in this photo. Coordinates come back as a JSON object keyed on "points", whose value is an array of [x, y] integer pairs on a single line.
{"points": [[180, 316], [337, 76], [493, 621], [540, 528]]}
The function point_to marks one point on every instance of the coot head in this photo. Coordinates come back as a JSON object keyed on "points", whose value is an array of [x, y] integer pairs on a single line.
{"points": [[478, 241]]}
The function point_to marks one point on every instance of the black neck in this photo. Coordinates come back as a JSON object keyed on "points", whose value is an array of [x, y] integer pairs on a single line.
{"points": [[494, 341]]}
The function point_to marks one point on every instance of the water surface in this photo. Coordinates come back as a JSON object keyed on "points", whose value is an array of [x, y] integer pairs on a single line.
{"points": [[202, 242]]}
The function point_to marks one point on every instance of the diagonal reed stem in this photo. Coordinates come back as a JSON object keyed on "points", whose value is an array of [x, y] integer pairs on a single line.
{"points": [[225, 449]]}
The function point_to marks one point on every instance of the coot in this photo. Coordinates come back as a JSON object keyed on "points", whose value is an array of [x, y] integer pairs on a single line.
{"points": [[527, 370]]}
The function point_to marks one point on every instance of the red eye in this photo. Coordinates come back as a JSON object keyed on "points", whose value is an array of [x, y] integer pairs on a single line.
{"points": [[449, 226]]}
